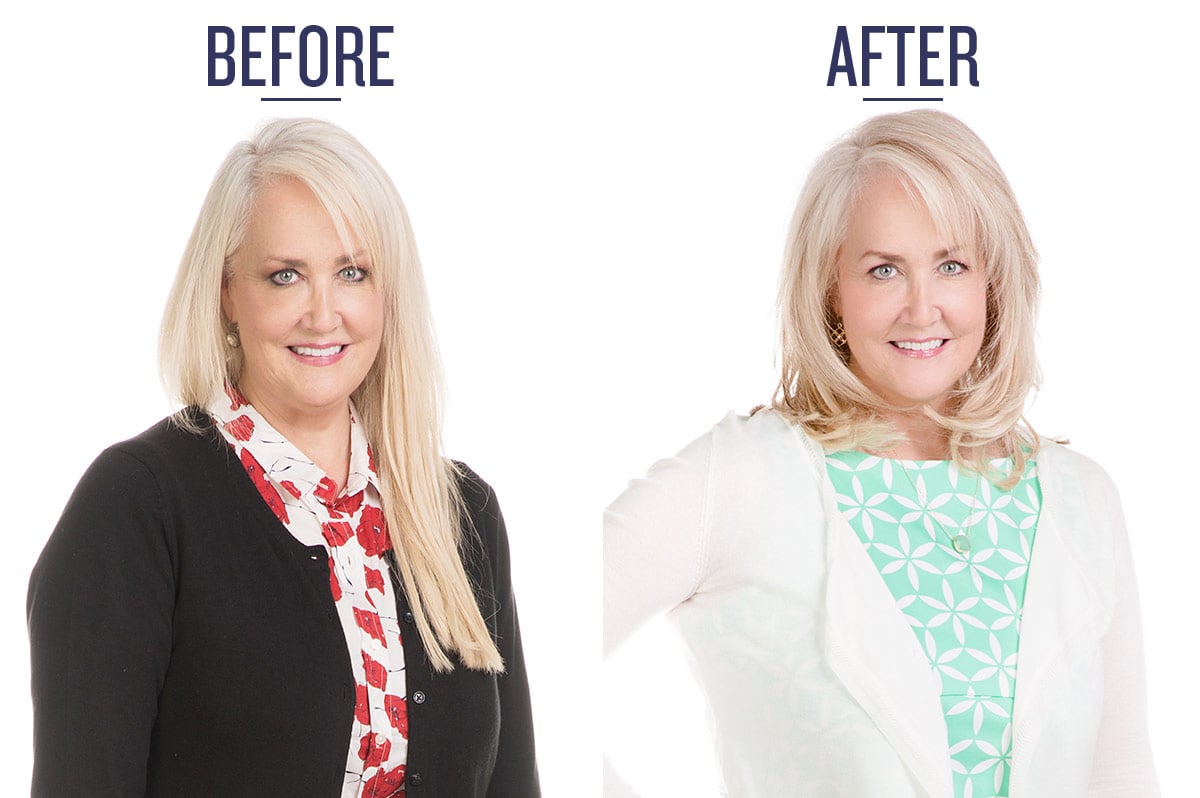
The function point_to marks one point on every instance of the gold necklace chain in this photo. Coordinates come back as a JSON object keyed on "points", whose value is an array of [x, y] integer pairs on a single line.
{"points": [[962, 541]]}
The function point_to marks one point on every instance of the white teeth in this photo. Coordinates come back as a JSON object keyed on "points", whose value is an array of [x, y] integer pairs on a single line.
{"points": [[920, 346], [314, 352]]}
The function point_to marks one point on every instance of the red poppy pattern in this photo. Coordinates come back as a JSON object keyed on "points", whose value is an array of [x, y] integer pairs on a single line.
{"points": [[235, 397], [384, 783], [372, 532], [335, 587], [241, 427], [397, 712], [350, 525], [265, 488]]}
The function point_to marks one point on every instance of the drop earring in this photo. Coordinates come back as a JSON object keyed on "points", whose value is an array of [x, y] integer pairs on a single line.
{"points": [[232, 339], [838, 334]]}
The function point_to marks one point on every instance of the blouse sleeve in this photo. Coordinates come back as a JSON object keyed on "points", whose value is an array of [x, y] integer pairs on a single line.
{"points": [[655, 541], [99, 610], [1123, 764]]}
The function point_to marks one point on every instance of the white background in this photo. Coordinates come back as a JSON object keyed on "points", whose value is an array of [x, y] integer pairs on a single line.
{"points": [[600, 193]]}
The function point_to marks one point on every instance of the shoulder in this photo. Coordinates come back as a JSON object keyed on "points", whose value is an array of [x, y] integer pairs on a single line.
{"points": [[164, 466], [751, 449], [739, 470], [167, 444], [155, 452], [1082, 500], [1066, 470], [124, 510], [741, 438], [764, 430], [478, 497], [484, 542], [162, 450]]}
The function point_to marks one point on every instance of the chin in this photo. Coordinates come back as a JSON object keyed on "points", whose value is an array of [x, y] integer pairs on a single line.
{"points": [[322, 396], [913, 396]]}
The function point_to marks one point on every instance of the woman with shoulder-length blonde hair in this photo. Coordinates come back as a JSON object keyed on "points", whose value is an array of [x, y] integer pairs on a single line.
{"points": [[285, 588], [888, 583]]}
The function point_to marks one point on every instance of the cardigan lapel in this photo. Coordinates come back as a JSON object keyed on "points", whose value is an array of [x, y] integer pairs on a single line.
{"points": [[1066, 610], [872, 650], [875, 654]]}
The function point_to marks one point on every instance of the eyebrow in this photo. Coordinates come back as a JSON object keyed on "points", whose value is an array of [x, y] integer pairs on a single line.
{"points": [[892, 258], [296, 263]]}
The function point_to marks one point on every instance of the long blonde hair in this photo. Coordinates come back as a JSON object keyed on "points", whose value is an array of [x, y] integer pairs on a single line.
{"points": [[399, 403], [948, 168]]}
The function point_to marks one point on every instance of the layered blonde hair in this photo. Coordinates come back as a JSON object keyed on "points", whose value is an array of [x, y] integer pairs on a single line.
{"points": [[399, 403], [945, 166]]}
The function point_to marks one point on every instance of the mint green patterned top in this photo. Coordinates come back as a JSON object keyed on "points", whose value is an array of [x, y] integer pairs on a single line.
{"points": [[965, 608]]}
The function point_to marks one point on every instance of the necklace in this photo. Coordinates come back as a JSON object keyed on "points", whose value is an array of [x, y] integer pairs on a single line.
{"points": [[961, 541]]}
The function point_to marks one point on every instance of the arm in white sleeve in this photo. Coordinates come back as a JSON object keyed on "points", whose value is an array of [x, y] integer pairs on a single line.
{"points": [[1123, 764], [655, 549], [656, 541]]}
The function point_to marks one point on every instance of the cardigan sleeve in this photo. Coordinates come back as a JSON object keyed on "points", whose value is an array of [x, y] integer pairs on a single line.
{"points": [[655, 550], [99, 611], [515, 774], [656, 541], [1123, 766]]}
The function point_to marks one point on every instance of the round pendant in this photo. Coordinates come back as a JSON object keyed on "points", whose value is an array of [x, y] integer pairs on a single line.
{"points": [[962, 543]]}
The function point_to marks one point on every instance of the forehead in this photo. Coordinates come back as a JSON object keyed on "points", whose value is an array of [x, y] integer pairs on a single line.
{"points": [[287, 218], [888, 215]]}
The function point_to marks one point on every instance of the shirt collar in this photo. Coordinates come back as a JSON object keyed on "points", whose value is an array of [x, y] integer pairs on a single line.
{"points": [[283, 463]]}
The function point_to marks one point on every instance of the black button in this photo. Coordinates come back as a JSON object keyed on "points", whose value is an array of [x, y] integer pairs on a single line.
{"points": [[414, 779], [408, 617], [418, 697]]}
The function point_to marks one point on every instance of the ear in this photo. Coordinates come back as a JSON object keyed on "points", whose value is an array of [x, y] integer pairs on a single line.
{"points": [[228, 306], [834, 291]]}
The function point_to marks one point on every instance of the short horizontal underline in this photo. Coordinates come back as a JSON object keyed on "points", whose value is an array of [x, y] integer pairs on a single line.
{"points": [[902, 99], [301, 99]]}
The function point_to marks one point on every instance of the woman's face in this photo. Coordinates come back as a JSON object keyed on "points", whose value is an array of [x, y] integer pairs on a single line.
{"points": [[914, 304], [309, 313]]}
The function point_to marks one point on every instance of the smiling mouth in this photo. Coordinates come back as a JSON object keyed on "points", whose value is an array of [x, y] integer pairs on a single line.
{"points": [[315, 351], [920, 346]]}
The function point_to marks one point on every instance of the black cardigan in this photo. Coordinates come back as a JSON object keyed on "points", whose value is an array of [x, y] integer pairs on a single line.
{"points": [[185, 644]]}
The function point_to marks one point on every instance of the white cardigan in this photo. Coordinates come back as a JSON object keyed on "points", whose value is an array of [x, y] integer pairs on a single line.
{"points": [[816, 683]]}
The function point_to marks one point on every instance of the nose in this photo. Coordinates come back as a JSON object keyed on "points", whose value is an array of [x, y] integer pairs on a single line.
{"points": [[322, 314], [920, 306]]}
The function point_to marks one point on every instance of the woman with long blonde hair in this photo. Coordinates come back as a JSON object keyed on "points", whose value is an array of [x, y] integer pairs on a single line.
{"points": [[285, 588]]}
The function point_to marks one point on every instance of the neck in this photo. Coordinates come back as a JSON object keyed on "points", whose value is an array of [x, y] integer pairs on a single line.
{"points": [[324, 436], [923, 439]]}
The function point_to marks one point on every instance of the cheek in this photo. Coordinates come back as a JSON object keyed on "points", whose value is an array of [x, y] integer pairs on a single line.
{"points": [[265, 317], [864, 313], [972, 312], [364, 314]]}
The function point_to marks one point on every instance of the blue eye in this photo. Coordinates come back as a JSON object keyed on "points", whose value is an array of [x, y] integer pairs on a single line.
{"points": [[285, 277], [885, 271], [353, 274], [952, 267]]}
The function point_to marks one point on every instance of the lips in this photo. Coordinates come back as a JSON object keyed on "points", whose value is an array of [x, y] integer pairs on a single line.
{"points": [[321, 350], [927, 345], [920, 349]]}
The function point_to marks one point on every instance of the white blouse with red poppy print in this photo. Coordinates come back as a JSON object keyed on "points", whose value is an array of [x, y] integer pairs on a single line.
{"points": [[351, 527]]}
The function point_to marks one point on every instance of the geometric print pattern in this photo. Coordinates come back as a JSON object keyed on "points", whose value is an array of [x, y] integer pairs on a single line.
{"points": [[349, 524], [965, 608]]}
